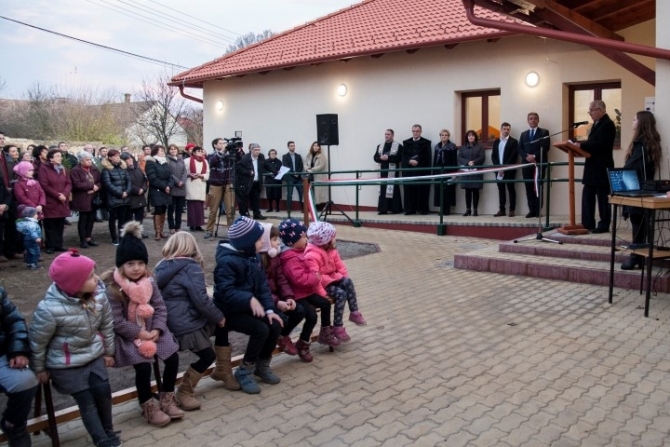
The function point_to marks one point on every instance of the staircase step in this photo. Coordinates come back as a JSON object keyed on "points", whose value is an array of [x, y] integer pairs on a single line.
{"points": [[567, 250], [573, 269]]}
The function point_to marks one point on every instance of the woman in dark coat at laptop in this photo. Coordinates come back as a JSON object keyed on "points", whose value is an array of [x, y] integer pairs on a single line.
{"points": [[644, 155]]}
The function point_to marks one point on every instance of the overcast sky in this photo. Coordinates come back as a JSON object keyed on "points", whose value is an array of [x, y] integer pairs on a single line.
{"points": [[164, 33]]}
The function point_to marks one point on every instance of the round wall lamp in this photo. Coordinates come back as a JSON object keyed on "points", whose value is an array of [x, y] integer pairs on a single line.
{"points": [[219, 105], [342, 90], [532, 79]]}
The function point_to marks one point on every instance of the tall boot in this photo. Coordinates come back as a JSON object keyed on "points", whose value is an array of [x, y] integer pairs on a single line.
{"points": [[223, 370], [185, 390], [161, 225], [157, 224]]}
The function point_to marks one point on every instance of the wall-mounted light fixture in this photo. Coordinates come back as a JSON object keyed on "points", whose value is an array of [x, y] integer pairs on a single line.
{"points": [[219, 105], [532, 79], [342, 90]]}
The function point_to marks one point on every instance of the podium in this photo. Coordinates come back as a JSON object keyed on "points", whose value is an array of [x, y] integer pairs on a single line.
{"points": [[572, 151]]}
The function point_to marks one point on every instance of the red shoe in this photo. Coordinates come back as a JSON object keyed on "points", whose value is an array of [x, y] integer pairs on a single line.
{"points": [[303, 351], [326, 337], [286, 345]]}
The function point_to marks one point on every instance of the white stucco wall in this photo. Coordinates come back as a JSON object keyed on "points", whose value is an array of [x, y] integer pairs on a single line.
{"points": [[400, 89]]}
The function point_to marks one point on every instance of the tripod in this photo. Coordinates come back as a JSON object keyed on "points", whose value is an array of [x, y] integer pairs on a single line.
{"points": [[328, 207]]}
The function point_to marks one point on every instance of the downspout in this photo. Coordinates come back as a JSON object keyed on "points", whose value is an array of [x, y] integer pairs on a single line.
{"points": [[192, 98], [591, 41]]}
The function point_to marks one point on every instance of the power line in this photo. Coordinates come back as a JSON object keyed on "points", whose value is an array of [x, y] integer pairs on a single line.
{"points": [[200, 20], [190, 26], [150, 21], [105, 47]]}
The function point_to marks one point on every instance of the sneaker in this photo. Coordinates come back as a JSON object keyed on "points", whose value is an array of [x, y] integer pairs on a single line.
{"points": [[208, 234], [33, 267], [116, 242], [83, 245], [357, 318], [92, 243], [286, 345], [341, 334]]}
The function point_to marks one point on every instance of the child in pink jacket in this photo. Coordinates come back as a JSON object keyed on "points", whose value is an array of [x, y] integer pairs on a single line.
{"points": [[324, 258], [304, 281]]}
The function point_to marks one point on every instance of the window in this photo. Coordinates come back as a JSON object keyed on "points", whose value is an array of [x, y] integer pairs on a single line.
{"points": [[481, 112], [580, 98]]}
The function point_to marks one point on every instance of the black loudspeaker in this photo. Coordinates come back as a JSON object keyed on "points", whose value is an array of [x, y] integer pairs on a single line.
{"points": [[327, 133]]}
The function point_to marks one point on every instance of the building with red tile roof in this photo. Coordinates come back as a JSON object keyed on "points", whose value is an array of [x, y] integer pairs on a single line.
{"points": [[392, 63]]}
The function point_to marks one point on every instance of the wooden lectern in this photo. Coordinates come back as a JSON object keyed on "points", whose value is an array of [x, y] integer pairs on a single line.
{"points": [[572, 151]]}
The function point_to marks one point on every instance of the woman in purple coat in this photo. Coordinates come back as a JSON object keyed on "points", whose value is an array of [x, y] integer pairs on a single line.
{"points": [[55, 182], [85, 185]]}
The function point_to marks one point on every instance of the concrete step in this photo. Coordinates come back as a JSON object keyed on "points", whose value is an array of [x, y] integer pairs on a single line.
{"points": [[577, 267], [584, 251]]}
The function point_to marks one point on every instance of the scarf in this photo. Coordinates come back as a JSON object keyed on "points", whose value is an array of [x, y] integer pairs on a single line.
{"points": [[161, 160], [193, 168], [392, 166], [139, 309], [29, 181], [58, 168]]}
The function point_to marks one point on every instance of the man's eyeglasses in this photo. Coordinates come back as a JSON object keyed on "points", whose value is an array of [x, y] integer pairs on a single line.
{"points": [[593, 110]]}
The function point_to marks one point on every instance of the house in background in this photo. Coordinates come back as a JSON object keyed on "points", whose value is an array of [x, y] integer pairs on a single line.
{"points": [[393, 63]]}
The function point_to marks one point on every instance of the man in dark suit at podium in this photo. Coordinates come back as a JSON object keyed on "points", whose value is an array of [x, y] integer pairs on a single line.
{"points": [[533, 148], [505, 152], [600, 145]]}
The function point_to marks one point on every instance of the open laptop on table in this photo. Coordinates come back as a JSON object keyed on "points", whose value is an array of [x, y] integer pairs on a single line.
{"points": [[624, 182]]}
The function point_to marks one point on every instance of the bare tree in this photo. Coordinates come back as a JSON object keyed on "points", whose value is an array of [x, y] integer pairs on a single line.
{"points": [[248, 39], [155, 113]]}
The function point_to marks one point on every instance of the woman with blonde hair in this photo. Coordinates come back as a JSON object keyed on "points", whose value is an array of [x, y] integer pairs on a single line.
{"points": [[192, 316], [315, 163]]}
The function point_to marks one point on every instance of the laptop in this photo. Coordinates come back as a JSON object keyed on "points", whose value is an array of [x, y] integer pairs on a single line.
{"points": [[625, 182]]}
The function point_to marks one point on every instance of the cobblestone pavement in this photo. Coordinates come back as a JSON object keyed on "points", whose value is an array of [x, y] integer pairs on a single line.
{"points": [[449, 358]]}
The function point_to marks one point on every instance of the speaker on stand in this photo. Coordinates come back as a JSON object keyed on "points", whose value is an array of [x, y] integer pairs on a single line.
{"points": [[327, 134]]}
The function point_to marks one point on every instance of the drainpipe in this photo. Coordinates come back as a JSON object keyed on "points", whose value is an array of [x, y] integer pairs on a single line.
{"points": [[192, 98], [591, 41]]}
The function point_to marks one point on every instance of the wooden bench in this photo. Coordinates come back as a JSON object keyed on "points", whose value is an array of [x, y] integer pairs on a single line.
{"points": [[48, 423]]}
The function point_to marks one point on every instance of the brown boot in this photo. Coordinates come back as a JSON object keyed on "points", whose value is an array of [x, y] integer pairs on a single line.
{"points": [[169, 406], [163, 218], [184, 393], [153, 415], [223, 371], [157, 227]]}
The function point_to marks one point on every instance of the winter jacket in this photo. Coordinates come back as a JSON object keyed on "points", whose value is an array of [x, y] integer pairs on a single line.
{"points": [[29, 227], [300, 275], [477, 155], [237, 278], [328, 263], [126, 331], [29, 195], [179, 174], [116, 181], [54, 183], [160, 177], [82, 183], [221, 167], [13, 330], [277, 281], [137, 181], [67, 333], [182, 285]]}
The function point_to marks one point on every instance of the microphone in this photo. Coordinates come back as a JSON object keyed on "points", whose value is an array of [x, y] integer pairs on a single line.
{"points": [[581, 123]]}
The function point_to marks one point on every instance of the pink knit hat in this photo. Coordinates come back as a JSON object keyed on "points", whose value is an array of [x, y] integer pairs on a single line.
{"points": [[320, 233], [267, 247], [70, 270], [23, 168]]}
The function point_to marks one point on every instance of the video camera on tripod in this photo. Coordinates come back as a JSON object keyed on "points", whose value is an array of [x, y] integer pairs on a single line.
{"points": [[234, 144]]}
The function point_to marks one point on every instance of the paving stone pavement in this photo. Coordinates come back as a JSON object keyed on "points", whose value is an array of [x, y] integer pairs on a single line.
{"points": [[449, 358]]}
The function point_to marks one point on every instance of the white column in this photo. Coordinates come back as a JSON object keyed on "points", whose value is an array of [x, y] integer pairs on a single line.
{"points": [[663, 84]]}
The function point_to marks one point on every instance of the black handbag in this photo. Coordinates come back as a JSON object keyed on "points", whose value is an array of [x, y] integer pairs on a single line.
{"points": [[96, 203]]}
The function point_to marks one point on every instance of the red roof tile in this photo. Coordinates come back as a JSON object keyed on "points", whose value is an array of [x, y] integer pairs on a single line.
{"points": [[367, 28]]}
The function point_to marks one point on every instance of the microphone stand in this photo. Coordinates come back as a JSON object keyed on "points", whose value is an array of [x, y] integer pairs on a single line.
{"points": [[539, 236]]}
